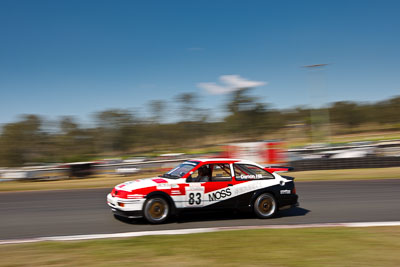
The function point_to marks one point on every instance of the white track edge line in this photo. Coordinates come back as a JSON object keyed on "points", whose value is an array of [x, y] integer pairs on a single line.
{"points": [[195, 231]]}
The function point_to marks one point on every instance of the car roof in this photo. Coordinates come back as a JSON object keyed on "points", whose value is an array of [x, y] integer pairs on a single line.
{"points": [[225, 160]]}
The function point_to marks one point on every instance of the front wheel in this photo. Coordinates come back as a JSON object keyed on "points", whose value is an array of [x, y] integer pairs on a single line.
{"points": [[265, 206], [156, 210]]}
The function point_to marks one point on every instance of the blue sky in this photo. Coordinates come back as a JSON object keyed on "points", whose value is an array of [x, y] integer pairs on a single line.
{"points": [[78, 57]]}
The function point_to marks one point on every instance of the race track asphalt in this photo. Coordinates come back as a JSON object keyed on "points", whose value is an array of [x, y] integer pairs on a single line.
{"points": [[73, 212]]}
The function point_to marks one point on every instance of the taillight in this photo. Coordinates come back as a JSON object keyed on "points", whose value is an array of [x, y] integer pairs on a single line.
{"points": [[294, 190]]}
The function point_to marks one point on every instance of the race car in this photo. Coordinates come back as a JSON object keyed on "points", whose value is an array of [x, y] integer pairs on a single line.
{"points": [[205, 184]]}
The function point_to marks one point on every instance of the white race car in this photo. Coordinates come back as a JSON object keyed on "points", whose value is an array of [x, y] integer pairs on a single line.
{"points": [[201, 184]]}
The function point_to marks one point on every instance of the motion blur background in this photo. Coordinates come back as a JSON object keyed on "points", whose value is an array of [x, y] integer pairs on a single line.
{"points": [[120, 90], [127, 82]]}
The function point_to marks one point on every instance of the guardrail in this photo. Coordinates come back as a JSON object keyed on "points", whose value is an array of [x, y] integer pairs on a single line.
{"points": [[346, 163], [67, 171], [311, 150], [56, 173]]}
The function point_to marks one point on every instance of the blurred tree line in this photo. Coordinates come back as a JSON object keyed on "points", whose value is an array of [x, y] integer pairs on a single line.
{"points": [[122, 132]]}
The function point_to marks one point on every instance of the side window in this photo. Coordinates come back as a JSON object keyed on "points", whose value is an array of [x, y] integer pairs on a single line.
{"points": [[192, 177], [202, 174], [221, 172], [250, 172]]}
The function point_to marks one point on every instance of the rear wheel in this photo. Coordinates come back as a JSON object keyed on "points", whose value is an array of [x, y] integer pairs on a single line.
{"points": [[156, 210], [265, 206]]}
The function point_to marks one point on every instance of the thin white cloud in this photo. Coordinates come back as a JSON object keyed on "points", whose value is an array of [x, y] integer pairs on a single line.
{"points": [[214, 89], [230, 83], [238, 82]]}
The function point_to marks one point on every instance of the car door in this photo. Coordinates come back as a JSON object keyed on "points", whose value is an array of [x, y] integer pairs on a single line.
{"points": [[218, 190], [195, 188]]}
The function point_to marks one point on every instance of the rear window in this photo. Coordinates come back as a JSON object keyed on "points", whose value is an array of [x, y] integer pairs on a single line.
{"points": [[250, 172]]}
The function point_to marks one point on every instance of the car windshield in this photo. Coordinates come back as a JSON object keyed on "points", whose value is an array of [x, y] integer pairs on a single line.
{"points": [[181, 170]]}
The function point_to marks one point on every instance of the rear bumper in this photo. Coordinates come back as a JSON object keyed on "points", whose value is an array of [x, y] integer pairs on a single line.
{"points": [[289, 206], [289, 201]]}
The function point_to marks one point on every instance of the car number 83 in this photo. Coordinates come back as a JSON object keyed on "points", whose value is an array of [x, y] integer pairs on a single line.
{"points": [[194, 198]]}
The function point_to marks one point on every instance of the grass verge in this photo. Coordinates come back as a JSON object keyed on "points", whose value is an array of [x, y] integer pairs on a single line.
{"points": [[377, 246], [109, 181]]}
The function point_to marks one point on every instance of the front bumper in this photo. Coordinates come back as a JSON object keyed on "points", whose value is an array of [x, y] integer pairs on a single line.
{"points": [[132, 208], [128, 214]]}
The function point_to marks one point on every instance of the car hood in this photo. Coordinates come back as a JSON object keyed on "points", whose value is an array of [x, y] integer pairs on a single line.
{"points": [[147, 182]]}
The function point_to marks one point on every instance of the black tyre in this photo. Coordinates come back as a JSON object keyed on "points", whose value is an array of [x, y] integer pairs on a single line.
{"points": [[265, 206], [156, 209]]}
